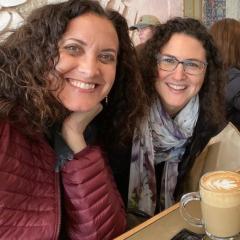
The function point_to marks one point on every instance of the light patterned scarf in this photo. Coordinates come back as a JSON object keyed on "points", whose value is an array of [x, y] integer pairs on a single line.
{"points": [[162, 139]]}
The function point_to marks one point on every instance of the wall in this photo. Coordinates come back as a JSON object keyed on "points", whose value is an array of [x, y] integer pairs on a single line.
{"points": [[214, 10], [131, 9], [233, 9], [163, 9], [12, 12], [193, 8]]}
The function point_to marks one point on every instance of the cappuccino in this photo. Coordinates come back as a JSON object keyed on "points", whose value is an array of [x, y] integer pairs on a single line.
{"points": [[220, 203]]}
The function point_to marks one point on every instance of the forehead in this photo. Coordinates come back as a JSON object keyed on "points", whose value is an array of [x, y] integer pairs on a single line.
{"points": [[146, 28], [92, 29], [184, 46]]}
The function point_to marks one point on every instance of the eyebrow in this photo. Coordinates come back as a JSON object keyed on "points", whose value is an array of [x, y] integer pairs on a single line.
{"points": [[77, 40], [194, 59], [187, 59], [85, 44]]}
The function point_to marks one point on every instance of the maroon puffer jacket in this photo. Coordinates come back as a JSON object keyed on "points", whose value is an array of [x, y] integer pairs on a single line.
{"points": [[30, 206]]}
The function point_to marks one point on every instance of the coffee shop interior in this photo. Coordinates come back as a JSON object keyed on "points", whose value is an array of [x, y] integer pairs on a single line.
{"points": [[13, 12], [209, 207]]}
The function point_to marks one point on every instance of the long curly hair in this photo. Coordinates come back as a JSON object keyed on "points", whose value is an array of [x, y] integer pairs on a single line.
{"points": [[211, 94], [226, 34], [29, 54], [127, 99]]}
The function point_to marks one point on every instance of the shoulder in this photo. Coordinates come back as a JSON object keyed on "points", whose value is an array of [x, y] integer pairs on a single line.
{"points": [[13, 132], [203, 132], [234, 73], [207, 129], [6, 129], [3, 126]]}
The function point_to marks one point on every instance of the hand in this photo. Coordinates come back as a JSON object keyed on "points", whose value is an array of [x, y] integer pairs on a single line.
{"points": [[78, 121], [74, 126]]}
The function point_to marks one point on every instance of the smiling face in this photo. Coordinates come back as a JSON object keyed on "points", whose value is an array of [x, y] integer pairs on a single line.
{"points": [[176, 88], [88, 58]]}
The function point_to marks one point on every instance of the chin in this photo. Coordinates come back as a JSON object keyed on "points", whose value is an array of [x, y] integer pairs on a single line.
{"points": [[81, 108]]}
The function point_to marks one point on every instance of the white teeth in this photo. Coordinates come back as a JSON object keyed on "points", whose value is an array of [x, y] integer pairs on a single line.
{"points": [[176, 87], [82, 85]]}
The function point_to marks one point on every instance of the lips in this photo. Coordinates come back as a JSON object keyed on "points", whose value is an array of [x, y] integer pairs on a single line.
{"points": [[82, 85]]}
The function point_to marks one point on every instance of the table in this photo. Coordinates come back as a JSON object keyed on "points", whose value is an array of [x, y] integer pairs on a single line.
{"points": [[164, 225]]}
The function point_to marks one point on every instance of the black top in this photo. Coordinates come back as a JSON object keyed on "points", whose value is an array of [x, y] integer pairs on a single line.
{"points": [[120, 160], [233, 96]]}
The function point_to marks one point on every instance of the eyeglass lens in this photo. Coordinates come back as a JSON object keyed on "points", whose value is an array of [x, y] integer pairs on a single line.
{"points": [[191, 66]]}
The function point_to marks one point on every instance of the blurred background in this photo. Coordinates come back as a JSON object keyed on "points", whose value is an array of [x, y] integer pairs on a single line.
{"points": [[13, 12]]}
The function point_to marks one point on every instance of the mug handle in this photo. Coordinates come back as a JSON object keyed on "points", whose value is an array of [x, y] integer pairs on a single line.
{"points": [[186, 198]]}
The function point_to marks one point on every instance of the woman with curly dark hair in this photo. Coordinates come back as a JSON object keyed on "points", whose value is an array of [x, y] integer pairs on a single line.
{"points": [[183, 77], [68, 64]]}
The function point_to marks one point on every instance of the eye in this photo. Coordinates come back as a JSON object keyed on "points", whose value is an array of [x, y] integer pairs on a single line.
{"points": [[73, 49], [168, 60], [107, 58], [193, 64]]}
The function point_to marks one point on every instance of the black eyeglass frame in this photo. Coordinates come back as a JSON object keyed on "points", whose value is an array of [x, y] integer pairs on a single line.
{"points": [[183, 62]]}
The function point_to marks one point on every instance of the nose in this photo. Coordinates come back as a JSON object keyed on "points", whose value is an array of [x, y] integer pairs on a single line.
{"points": [[178, 73], [140, 32], [88, 66]]}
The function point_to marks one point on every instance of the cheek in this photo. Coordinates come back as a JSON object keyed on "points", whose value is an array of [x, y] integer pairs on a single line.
{"points": [[60, 62], [53, 84], [162, 75], [58, 91], [148, 32], [109, 76], [198, 84], [65, 63], [56, 86], [159, 87]]}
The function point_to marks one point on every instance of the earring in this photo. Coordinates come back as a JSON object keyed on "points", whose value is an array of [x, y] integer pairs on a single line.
{"points": [[106, 99]]}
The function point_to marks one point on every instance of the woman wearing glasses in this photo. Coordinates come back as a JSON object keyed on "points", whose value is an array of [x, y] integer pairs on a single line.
{"points": [[183, 75]]}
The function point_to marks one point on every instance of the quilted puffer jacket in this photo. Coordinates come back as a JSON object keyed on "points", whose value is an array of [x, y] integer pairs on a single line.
{"points": [[30, 197]]}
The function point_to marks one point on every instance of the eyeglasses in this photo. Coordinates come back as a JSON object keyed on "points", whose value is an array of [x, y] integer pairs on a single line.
{"points": [[190, 66]]}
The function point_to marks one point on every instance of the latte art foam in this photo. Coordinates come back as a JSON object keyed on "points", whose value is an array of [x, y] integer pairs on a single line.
{"points": [[224, 184], [221, 181], [220, 189]]}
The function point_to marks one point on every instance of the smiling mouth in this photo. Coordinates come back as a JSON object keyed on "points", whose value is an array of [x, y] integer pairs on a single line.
{"points": [[176, 87], [82, 85]]}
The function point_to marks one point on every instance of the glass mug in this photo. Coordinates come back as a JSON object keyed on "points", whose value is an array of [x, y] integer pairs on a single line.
{"points": [[219, 194]]}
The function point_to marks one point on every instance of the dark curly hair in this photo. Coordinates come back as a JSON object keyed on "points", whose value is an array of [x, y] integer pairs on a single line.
{"points": [[29, 54], [211, 94]]}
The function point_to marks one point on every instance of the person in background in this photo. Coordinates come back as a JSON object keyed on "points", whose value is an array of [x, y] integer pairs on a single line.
{"points": [[184, 82], [145, 27], [226, 34], [56, 73]]}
